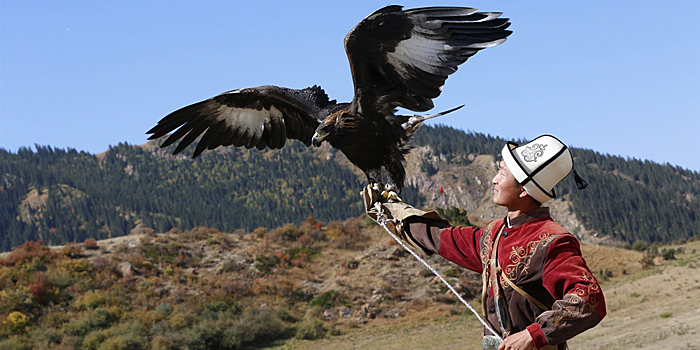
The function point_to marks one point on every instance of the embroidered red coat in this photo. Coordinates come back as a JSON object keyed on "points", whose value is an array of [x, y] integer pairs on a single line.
{"points": [[537, 255]]}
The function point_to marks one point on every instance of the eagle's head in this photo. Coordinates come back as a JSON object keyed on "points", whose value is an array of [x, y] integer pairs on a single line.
{"points": [[336, 124]]}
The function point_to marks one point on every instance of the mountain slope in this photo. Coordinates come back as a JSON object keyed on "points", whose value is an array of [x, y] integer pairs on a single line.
{"points": [[63, 195]]}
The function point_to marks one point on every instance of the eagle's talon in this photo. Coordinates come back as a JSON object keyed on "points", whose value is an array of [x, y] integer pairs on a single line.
{"points": [[391, 196], [377, 187]]}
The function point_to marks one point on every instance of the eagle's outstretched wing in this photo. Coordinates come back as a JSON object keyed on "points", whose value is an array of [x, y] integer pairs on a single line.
{"points": [[260, 117], [402, 58]]}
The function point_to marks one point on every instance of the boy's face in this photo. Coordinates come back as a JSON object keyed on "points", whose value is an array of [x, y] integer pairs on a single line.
{"points": [[506, 190]]}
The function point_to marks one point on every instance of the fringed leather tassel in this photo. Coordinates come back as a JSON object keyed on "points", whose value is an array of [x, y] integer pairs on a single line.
{"points": [[580, 184]]}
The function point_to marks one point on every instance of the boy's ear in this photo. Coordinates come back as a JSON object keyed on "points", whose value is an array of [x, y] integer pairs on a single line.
{"points": [[523, 193]]}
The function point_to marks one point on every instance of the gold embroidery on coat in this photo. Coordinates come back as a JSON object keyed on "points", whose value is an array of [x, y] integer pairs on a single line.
{"points": [[588, 290], [521, 258], [486, 243], [573, 308]]}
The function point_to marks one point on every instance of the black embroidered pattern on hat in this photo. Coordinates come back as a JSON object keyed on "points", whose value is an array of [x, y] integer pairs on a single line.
{"points": [[531, 153]]}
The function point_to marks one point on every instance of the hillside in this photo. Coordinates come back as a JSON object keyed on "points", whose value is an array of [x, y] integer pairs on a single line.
{"points": [[60, 196], [314, 286]]}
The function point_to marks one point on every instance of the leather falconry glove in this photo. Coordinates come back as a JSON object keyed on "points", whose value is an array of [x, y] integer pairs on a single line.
{"points": [[393, 213]]}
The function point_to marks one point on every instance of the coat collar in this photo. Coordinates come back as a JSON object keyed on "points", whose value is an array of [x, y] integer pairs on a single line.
{"points": [[527, 217]]}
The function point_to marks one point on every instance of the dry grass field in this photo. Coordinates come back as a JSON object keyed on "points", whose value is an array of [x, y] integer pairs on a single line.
{"points": [[653, 308]]}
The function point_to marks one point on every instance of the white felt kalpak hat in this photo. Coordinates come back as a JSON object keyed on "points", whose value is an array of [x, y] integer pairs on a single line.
{"points": [[539, 165]]}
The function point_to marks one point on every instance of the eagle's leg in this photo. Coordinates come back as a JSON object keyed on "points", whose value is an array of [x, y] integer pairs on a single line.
{"points": [[374, 177]]}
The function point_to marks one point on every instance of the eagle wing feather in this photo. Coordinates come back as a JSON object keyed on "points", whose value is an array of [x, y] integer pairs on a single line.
{"points": [[403, 58], [259, 117]]}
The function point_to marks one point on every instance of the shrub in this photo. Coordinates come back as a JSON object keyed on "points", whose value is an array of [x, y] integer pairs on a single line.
{"points": [[99, 318], [257, 326], [290, 257], [265, 264], [17, 322], [330, 299], [640, 246], [647, 260], [228, 330], [218, 306], [311, 330], [334, 230], [72, 250], [78, 327], [41, 288], [78, 268], [103, 318], [288, 232], [33, 265], [207, 334], [260, 232], [26, 252], [165, 309], [305, 240], [93, 340], [167, 341], [160, 252], [669, 254], [126, 336], [233, 290], [312, 228], [90, 244], [179, 320], [346, 235], [14, 343], [57, 319], [125, 342], [94, 299], [17, 299], [45, 337], [654, 249]]}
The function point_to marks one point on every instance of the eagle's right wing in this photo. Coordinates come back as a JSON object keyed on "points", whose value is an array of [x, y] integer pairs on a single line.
{"points": [[401, 58], [260, 117]]}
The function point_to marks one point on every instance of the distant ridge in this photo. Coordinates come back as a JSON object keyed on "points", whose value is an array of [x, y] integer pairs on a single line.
{"points": [[64, 195]]}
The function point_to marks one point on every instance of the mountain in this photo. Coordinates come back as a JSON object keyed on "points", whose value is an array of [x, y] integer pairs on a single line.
{"points": [[60, 196]]}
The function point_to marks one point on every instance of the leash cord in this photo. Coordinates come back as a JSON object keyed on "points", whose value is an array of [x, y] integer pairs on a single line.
{"points": [[381, 220]]}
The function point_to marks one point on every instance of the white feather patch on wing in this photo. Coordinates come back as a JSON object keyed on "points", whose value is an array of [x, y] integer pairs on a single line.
{"points": [[420, 46], [422, 53], [251, 120]]}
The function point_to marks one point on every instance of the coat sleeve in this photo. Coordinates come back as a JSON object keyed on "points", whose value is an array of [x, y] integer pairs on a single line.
{"points": [[579, 304], [455, 243]]}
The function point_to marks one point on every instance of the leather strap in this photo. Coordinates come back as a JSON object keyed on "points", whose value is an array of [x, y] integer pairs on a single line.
{"points": [[492, 280], [485, 275], [522, 292]]}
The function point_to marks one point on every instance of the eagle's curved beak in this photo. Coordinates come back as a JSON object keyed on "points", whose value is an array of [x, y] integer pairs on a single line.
{"points": [[318, 138]]}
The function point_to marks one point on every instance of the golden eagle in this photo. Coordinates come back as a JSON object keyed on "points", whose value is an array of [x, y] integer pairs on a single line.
{"points": [[398, 58]]}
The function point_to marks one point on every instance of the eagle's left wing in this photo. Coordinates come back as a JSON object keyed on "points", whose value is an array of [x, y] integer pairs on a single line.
{"points": [[264, 116], [402, 58]]}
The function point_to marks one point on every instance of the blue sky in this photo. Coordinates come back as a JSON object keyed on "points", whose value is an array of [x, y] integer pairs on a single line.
{"points": [[617, 77]]}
